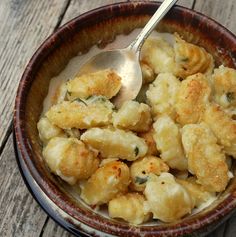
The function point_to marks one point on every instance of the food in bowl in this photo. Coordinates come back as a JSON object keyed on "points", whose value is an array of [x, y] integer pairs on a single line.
{"points": [[159, 158]]}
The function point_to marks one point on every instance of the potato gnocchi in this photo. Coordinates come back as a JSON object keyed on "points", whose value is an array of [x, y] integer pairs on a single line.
{"points": [[115, 143], [70, 159], [129, 207], [93, 84], [79, 114], [106, 183], [191, 59], [140, 170], [162, 94], [199, 194], [192, 99], [224, 84], [162, 156], [223, 127], [133, 116], [168, 141], [205, 158], [166, 199]]}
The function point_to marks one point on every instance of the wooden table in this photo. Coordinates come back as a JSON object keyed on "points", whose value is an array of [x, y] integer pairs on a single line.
{"points": [[24, 25]]}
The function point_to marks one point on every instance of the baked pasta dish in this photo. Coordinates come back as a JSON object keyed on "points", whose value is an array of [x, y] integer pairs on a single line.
{"points": [[161, 157]]}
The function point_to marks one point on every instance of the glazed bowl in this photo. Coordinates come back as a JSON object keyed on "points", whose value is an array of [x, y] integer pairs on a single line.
{"points": [[100, 27]]}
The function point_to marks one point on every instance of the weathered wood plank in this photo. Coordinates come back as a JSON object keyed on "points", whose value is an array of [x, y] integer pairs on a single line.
{"points": [[78, 7], [53, 229], [219, 232], [221, 11], [24, 24], [231, 227], [20, 215], [185, 3]]}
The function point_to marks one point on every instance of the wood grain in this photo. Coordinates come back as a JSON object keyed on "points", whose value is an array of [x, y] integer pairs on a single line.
{"points": [[20, 215], [230, 230], [78, 7], [53, 229], [221, 11], [185, 3], [24, 24]]}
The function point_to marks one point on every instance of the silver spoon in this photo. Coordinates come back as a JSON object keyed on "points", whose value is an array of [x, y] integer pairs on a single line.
{"points": [[126, 61]]}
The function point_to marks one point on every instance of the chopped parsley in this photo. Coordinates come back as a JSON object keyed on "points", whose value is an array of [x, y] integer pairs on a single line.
{"points": [[95, 98], [80, 101], [230, 96], [141, 180], [136, 151], [184, 59]]}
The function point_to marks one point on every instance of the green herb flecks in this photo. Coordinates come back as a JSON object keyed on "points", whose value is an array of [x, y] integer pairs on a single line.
{"points": [[184, 60], [230, 96], [141, 180], [69, 93], [80, 101], [94, 98], [136, 151]]}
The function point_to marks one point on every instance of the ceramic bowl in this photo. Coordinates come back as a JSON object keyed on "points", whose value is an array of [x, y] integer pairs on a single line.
{"points": [[99, 27]]}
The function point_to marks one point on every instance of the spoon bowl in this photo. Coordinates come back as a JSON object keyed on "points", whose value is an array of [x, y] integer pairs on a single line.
{"points": [[126, 61]]}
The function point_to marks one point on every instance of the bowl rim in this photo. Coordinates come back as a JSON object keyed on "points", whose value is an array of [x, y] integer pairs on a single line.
{"points": [[221, 211]]}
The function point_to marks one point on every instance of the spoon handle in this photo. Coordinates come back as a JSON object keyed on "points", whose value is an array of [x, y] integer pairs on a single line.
{"points": [[137, 44]]}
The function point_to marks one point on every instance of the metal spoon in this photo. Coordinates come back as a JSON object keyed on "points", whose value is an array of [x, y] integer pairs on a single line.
{"points": [[126, 61]]}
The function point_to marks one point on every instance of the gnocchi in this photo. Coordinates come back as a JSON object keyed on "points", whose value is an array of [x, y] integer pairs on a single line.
{"points": [[115, 143], [223, 126], [47, 130], [129, 207], [70, 159], [168, 141], [150, 142], [93, 84], [224, 84], [192, 99], [198, 193], [79, 114], [106, 183], [205, 157], [158, 54], [191, 59], [166, 199], [162, 93], [164, 155], [133, 116], [140, 170]]}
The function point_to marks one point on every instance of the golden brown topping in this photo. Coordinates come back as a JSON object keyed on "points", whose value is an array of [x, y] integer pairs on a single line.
{"points": [[106, 183], [205, 158], [129, 207], [140, 170], [192, 99], [191, 59], [106, 83]]}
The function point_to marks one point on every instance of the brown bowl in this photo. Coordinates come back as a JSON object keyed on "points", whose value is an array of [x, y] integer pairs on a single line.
{"points": [[100, 27]]}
